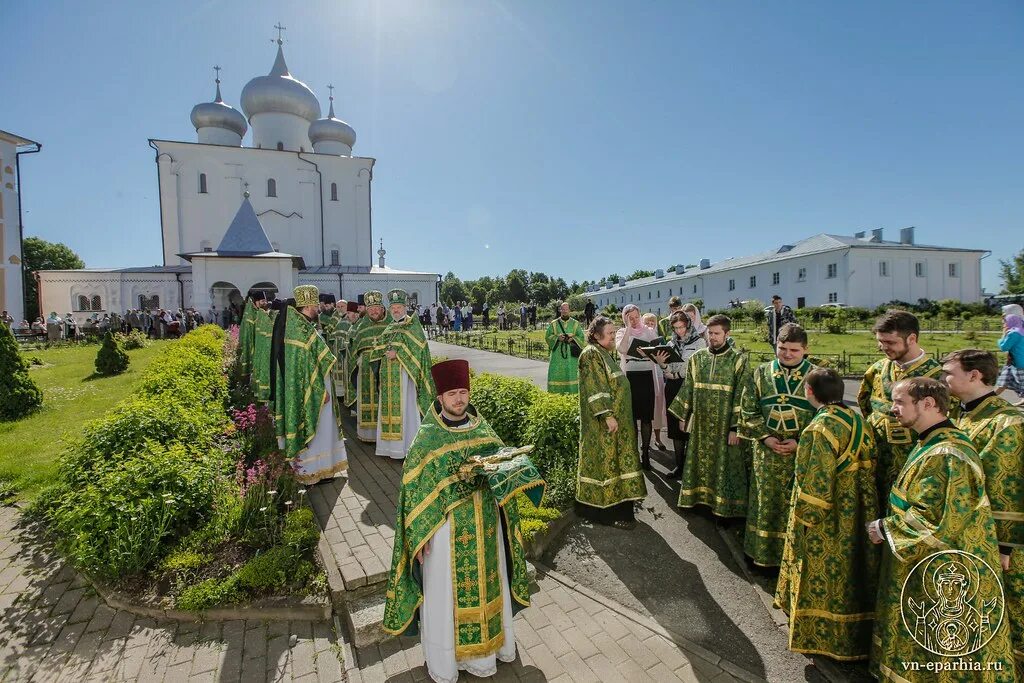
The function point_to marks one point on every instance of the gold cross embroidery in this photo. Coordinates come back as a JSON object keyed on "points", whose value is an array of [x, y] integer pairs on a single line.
{"points": [[465, 538], [783, 398], [492, 576], [467, 584]]}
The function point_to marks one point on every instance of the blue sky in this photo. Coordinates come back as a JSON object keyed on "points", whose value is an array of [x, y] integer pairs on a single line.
{"points": [[576, 138]]}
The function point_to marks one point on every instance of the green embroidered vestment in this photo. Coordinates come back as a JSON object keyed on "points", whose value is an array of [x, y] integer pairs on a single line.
{"points": [[875, 401], [365, 353], [246, 337], [773, 405], [432, 489], [938, 503], [406, 338], [301, 392], [609, 464], [563, 367], [263, 332], [828, 579], [997, 430], [715, 473]]}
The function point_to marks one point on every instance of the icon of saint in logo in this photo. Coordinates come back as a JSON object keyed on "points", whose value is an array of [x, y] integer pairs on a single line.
{"points": [[952, 603]]}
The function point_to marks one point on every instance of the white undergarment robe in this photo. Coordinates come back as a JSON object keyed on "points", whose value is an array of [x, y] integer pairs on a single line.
{"points": [[397, 450]]}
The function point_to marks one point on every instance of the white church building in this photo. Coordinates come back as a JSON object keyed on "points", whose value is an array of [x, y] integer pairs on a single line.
{"points": [[297, 183], [860, 270]]}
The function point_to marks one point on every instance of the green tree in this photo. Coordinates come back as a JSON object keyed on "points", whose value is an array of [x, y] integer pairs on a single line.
{"points": [[19, 394], [479, 295], [637, 274], [112, 359], [1012, 272], [38, 254], [516, 287], [615, 277], [452, 289]]}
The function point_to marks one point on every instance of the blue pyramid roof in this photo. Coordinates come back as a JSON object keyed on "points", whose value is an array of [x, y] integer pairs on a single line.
{"points": [[245, 235]]}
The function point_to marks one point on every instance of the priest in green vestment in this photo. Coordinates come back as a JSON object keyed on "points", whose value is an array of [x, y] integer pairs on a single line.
{"points": [[897, 335], [564, 336], [326, 319], [247, 336], [940, 597], [829, 575], [458, 568], [365, 355], [775, 412], [996, 428], [708, 406], [338, 341], [609, 478], [301, 392], [406, 388], [263, 331]]}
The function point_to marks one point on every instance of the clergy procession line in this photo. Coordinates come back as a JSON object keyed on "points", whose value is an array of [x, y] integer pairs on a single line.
{"points": [[898, 530]]}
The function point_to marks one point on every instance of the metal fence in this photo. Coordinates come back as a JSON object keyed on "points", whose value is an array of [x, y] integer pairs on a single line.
{"points": [[850, 365]]}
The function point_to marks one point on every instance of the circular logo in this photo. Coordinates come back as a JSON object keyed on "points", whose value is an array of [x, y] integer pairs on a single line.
{"points": [[952, 603]]}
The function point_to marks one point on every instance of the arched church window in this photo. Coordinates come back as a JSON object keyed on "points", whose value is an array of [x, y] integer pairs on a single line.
{"points": [[334, 192], [280, 147], [83, 302], [335, 257], [97, 303], [202, 183], [271, 187], [149, 302]]}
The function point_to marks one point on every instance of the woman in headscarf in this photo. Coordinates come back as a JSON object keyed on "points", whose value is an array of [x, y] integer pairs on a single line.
{"points": [[640, 373], [686, 341], [1012, 342]]}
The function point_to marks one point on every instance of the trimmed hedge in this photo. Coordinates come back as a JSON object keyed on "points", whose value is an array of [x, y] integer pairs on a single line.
{"points": [[143, 475], [112, 359]]}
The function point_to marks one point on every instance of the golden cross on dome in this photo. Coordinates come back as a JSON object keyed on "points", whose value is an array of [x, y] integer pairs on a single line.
{"points": [[216, 68]]}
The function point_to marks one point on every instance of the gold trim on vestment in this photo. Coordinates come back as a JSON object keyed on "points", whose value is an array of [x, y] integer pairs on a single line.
{"points": [[1008, 516], [766, 534], [817, 502], [606, 482], [715, 387], [425, 503], [832, 616], [598, 396], [415, 472]]}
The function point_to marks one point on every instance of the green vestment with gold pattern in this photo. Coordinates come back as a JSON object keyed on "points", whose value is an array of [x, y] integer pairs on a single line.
{"points": [[365, 353], [773, 405], [246, 337], [997, 430], [432, 492], [828, 579], [406, 338], [263, 332], [563, 367], [301, 392], [609, 464], [938, 503], [875, 401], [338, 341], [715, 473]]}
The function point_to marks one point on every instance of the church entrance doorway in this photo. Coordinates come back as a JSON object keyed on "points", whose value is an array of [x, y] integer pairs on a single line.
{"points": [[267, 287], [227, 303]]}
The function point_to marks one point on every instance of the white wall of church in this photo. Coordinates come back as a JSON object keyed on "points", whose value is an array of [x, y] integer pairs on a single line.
{"points": [[11, 294], [83, 292], [304, 184]]}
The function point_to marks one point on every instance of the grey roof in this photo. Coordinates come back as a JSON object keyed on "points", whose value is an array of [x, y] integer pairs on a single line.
{"points": [[245, 235], [812, 245]]}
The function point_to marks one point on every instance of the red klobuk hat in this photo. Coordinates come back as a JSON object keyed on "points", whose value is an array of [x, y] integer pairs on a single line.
{"points": [[352, 307], [451, 374]]}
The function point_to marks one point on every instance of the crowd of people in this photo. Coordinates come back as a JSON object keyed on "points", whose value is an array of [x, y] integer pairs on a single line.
{"points": [[906, 509]]}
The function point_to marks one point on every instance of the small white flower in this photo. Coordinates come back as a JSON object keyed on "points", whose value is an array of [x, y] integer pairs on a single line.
{"points": [[288, 502], [272, 492], [263, 509], [302, 492]]}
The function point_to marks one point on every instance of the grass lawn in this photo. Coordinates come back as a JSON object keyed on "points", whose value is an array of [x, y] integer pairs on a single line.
{"points": [[72, 396]]}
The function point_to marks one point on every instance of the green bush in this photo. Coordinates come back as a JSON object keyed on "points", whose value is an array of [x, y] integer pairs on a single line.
{"points": [[301, 531], [133, 340], [123, 519], [553, 426], [269, 570], [505, 402], [184, 560], [210, 593], [112, 359], [19, 394]]}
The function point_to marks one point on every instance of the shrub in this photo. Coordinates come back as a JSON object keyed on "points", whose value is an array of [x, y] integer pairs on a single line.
{"points": [[268, 570], [19, 394], [301, 531], [504, 402], [133, 340], [121, 520], [210, 593], [112, 359], [553, 426], [184, 560]]}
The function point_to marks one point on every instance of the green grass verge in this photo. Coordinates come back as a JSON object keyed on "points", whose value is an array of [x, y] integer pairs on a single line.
{"points": [[72, 395]]}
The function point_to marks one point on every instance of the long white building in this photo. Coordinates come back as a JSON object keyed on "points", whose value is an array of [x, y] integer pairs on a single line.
{"points": [[862, 270], [297, 182]]}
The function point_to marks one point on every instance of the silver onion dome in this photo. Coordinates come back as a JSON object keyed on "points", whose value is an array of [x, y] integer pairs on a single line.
{"points": [[332, 129], [217, 114], [279, 93]]}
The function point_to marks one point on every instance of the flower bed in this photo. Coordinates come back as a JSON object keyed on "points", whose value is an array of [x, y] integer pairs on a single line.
{"points": [[177, 496]]}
